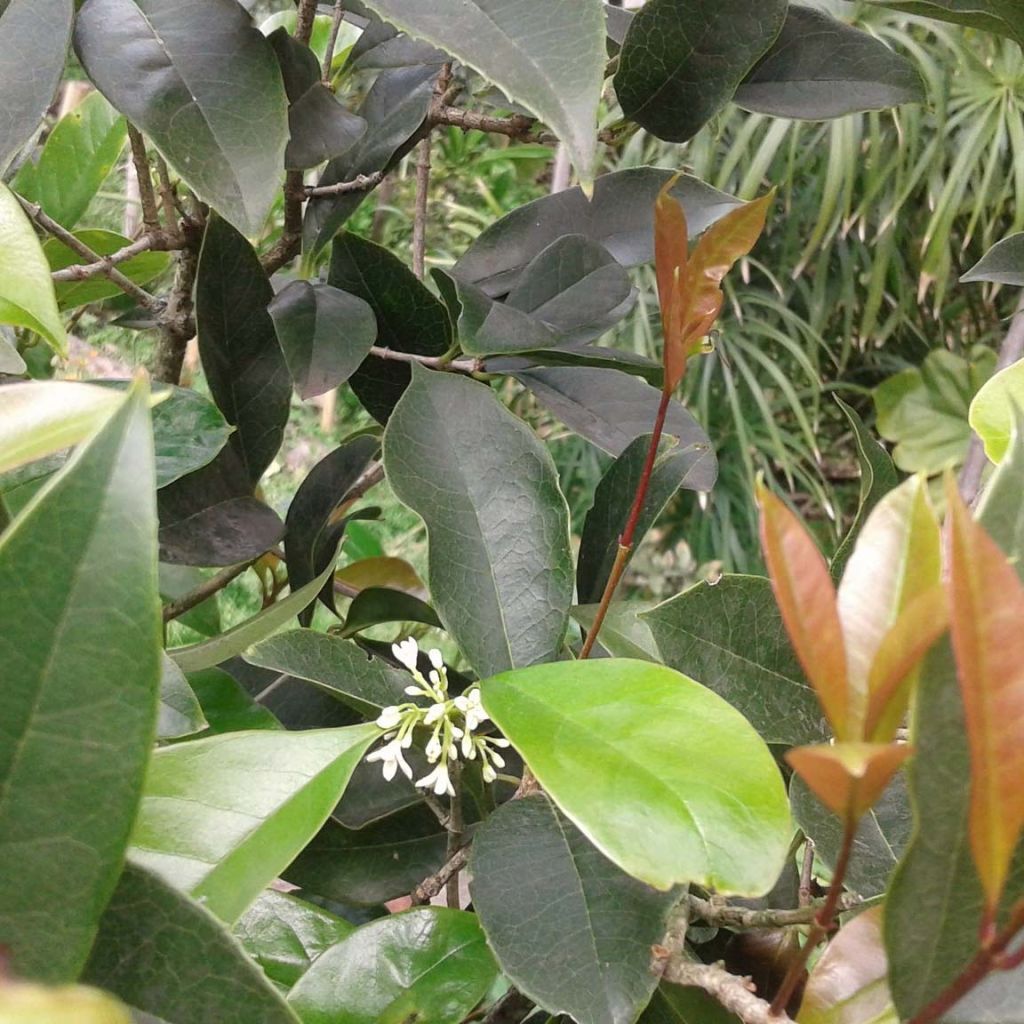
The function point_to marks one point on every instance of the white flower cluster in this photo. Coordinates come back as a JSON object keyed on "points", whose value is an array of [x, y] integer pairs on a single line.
{"points": [[453, 722]]}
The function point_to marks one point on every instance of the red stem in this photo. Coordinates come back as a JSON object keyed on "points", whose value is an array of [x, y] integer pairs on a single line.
{"points": [[628, 535]]}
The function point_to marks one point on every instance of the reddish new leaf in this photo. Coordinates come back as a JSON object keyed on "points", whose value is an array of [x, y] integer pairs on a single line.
{"points": [[987, 618], [807, 600], [848, 778], [671, 257]]}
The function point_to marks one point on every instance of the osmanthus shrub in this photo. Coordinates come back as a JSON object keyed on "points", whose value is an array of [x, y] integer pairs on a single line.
{"points": [[791, 797]]}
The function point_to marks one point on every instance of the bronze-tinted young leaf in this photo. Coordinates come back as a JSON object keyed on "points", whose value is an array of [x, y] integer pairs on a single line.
{"points": [[986, 612], [671, 256], [246, 371], [807, 600], [848, 778]]}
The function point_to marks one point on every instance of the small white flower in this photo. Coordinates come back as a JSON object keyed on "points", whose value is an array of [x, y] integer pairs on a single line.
{"points": [[475, 713], [488, 773], [439, 780], [392, 759], [496, 758], [433, 749], [414, 691], [498, 741], [434, 678], [468, 747], [435, 713], [435, 658], [406, 652], [389, 718]]}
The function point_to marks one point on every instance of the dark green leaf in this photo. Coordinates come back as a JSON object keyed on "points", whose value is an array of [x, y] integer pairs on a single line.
{"points": [[210, 517], [321, 129], [393, 109], [34, 36], [1003, 263], [522, 48], [165, 67], [284, 935], [682, 60], [370, 797], [377, 605], [612, 410], [324, 333], [409, 318], [70, 294], [877, 478], [222, 817], [603, 739], [674, 1005], [311, 531], [153, 940], [620, 217], [928, 944], [80, 646], [624, 634], [820, 68], [180, 713], [613, 501], [245, 369], [882, 836], [226, 705], [596, 356], [230, 644], [380, 862], [338, 666], [500, 565], [1004, 17], [79, 154], [425, 965], [729, 636], [578, 938]]}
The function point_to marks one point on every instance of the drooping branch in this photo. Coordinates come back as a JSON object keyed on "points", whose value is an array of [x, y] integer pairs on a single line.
{"points": [[51, 227], [735, 994]]}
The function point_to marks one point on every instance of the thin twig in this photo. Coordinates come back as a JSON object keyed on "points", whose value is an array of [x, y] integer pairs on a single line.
{"points": [[735, 994], [141, 296], [368, 479], [332, 40], [304, 21], [419, 224], [430, 887], [206, 590], [147, 197], [177, 324], [1011, 351], [431, 362], [168, 196], [744, 919], [515, 127], [357, 184], [807, 872], [157, 241], [455, 838]]}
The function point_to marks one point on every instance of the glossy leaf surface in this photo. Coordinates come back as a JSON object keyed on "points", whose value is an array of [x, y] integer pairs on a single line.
{"points": [[26, 292], [604, 739], [78, 563], [501, 581], [586, 949], [284, 934], [682, 60], [431, 964], [1002, 264], [620, 217], [78, 156], [41, 28], [994, 408], [164, 66], [324, 333], [222, 817], [820, 67], [245, 369], [987, 606], [151, 936], [730, 637]]}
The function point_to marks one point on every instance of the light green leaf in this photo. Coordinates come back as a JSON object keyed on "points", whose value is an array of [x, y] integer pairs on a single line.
{"points": [[1002, 264], [34, 36], [10, 358], [70, 294], [673, 1004], [431, 964], [284, 934], [222, 817], [500, 564], [152, 937], [624, 634], [587, 950], [606, 739], [165, 66], [79, 154], [549, 57], [80, 643], [729, 635], [180, 713], [992, 411], [212, 652], [1004, 17], [26, 291], [226, 704]]}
